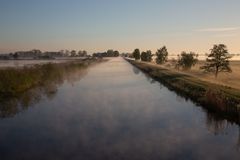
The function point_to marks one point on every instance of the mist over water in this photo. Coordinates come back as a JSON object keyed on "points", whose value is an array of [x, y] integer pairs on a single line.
{"points": [[114, 111]]}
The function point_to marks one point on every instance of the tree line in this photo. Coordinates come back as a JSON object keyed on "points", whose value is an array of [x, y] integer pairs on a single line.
{"points": [[109, 53], [38, 54], [217, 60]]}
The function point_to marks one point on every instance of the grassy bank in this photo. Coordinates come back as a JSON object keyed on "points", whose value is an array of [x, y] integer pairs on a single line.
{"points": [[14, 81], [224, 78], [213, 96]]}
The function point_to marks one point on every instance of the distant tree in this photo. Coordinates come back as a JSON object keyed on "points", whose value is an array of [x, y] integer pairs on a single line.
{"points": [[146, 56], [36, 53], [136, 54], [73, 53], [162, 55], [110, 53], [218, 60], [84, 53], [116, 53], [95, 54], [104, 54], [80, 53], [67, 53], [186, 60], [10, 54], [15, 55], [62, 53]]}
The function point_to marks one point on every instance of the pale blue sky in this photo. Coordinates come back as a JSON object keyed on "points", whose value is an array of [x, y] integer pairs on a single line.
{"points": [[98, 25]]}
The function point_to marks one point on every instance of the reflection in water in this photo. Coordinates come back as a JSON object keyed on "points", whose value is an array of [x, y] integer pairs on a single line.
{"points": [[216, 125], [135, 70], [149, 79], [113, 113], [231, 114], [238, 142], [13, 105]]}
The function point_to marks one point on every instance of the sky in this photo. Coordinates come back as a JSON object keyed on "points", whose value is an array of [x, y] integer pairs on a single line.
{"points": [[98, 25]]}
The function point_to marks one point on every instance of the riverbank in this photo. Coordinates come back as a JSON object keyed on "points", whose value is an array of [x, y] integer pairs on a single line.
{"points": [[227, 79], [15, 81], [216, 97]]}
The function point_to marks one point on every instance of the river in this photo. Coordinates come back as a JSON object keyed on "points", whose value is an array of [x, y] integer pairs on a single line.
{"points": [[114, 111]]}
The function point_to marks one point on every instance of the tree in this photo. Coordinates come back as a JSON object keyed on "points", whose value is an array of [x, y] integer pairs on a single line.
{"points": [[104, 54], [136, 54], [146, 56], [82, 53], [67, 53], [73, 53], [62, 53], [35, 53], [186, 60], [218, 60], [116, 53], [15, 55], [110, 53], [162, 55]]}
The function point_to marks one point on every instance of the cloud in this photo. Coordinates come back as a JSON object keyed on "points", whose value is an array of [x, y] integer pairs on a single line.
{"points": [[226, 29]]}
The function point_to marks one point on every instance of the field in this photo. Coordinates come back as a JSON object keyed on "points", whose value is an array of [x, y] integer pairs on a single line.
{"points": [[226, 79]]}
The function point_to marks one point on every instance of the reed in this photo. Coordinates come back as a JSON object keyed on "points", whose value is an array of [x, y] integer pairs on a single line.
{"points": [[14, 81]]}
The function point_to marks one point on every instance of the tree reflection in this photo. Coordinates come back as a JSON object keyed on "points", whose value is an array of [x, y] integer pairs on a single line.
{"points": [[219, 126], [56, 76], [238, 141], [136, 70], [215, 124], [149, 79]]}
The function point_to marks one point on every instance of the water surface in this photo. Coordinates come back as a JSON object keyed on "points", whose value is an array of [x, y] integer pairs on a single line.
{"points": [[113, 111]]}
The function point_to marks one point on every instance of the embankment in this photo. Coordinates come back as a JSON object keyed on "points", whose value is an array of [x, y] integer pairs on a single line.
{"points": [[214, 97]]}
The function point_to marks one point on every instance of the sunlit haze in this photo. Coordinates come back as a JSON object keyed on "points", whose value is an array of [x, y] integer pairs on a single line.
{"points": [[98, 25]]}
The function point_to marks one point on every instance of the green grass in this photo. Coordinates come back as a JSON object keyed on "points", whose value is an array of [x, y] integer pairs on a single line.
{"points": [[212, 96]]}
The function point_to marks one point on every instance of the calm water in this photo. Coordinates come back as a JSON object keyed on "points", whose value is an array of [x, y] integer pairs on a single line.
{"points": [[112, 111]]}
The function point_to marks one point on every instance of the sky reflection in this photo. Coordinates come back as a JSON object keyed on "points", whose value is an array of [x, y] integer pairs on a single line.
{"points": [[117, 114]]}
